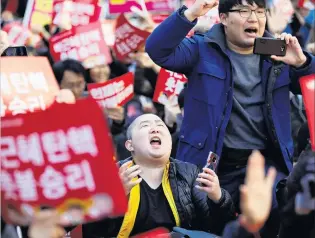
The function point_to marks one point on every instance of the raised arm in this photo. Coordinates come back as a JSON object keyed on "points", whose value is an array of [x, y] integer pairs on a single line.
{"points": [[168, 46]]}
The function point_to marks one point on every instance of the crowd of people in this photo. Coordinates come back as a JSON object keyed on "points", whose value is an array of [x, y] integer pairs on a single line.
{"points": [[232, 158]]}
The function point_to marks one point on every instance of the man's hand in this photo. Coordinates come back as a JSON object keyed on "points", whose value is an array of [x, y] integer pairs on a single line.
{"points": [[256, 193], [117, 114], [211, 184], [294, 55], [46, 224], [200, 8], [128, 175]]}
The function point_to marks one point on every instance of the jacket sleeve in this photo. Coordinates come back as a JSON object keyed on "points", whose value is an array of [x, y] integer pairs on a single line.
{"points": [[296, 73], [213, 216], [168, 46]]}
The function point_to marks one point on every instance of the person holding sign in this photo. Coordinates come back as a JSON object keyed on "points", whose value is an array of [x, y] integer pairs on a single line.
{"points": [[236, 101], [164, 192]]}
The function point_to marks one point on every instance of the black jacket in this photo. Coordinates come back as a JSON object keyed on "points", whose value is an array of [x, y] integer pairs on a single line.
{"points": [[195, 209]]}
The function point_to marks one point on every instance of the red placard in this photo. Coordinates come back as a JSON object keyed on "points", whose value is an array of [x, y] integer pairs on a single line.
{"points": [[78, 12], [158, 232], [128, 38], [83, 43], [168, 84], [27, 84], [115, 92], [308, 4], [17, 34], [308, 92], [123, 6], [67, 164]]}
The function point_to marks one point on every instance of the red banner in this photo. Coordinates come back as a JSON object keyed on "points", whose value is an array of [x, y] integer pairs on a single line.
{"points": [[83, 43], [308, 4], [27, 85], [115, 92], [158, 232], [63, 164], [123, 6], [308, 92], [168, 84], [128, 38], [78, 12], [17, 34]]}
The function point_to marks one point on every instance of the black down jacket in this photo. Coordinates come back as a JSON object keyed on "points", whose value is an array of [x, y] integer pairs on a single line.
{"points": [[195, 209]]}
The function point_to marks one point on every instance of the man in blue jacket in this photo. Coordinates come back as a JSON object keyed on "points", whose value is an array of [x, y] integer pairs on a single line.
{"points": [[236, 101]]}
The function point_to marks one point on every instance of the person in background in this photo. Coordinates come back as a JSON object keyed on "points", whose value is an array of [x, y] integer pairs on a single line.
{"points": [[70, 74]]}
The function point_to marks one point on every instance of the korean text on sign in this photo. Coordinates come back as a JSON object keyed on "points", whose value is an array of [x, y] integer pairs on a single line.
{"points": [[168, 83], [61, 162], [27, 85], [83, 43], [115, 92], [79, 12], [127, 38]]}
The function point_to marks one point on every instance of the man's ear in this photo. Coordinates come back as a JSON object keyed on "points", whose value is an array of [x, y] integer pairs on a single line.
{"points": [[223, 18], [128, 145]]}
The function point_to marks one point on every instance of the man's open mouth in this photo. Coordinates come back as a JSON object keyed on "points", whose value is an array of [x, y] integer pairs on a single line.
{"points": [[155, 141], [251, 30]]}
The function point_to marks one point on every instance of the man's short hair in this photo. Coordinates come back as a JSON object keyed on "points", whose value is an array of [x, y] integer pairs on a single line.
{"points": [[74, 66], [130, 129], [226, 5]]}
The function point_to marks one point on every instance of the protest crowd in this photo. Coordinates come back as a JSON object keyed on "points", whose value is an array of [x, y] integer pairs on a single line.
{"points": [[157, 118]]}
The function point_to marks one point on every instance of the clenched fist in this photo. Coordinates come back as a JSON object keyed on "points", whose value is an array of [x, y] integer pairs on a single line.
{"points": [[200, 8]]}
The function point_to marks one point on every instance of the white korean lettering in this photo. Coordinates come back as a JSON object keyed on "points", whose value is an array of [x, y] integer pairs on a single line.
{"points": [[8, 149], [79, 176], [38, 81], [82, 141], [179, 87], [29, 149], [53, 183], [8, 185], [36, 102], [17, 106], [123, 48], [5, 85], [170, 84], [26, 185], [56, 147], [96, 93], [20, 82]]}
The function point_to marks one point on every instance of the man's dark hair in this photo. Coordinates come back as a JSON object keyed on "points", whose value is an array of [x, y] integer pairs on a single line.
{"points": [[226, 5], [74, 66]]}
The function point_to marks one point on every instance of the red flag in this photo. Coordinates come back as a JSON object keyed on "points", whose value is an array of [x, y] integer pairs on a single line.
{"points": [[308, 92]]}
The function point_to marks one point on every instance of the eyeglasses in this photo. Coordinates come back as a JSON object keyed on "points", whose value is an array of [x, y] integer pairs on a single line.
{"points": [[246, 12]]}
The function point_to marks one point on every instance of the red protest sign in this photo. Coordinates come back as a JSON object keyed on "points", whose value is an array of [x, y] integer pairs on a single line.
{"points": [[63, 164], [123, 6], [308, 4], [308, 92], [17, 33], [78, 12], [158, 232], [83, 43], [115, 92], [128, 38], [168, 83], [27, 84]]}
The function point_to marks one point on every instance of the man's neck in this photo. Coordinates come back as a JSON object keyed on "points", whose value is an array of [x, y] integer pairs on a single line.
{"points": [[152, 175], [239, 50]]}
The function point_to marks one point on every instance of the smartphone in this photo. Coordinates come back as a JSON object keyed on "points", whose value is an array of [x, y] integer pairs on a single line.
{"points": [[270, 46], [15, 51], [212, 162]]}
